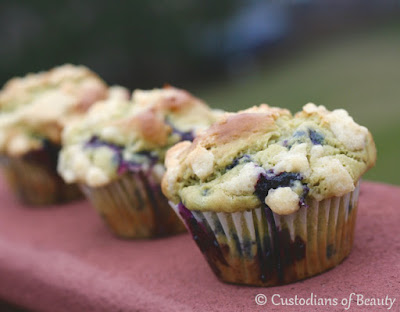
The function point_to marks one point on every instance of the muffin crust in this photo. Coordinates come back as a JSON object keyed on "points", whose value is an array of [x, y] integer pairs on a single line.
{"points": [[119, 135], [37, 107], [255, 155]]}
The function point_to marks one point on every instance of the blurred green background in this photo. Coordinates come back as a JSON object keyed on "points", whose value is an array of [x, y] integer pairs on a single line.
{"points": [[233, 54], [358, 72]]}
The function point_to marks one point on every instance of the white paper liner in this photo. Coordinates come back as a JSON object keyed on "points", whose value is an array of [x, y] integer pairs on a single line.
{"points": [[262, 248], [37, 184], [134, 207]]}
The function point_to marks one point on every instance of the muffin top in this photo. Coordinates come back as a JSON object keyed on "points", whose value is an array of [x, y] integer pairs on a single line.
{"points": [[127, 135], [265, 155], [35, 108]]}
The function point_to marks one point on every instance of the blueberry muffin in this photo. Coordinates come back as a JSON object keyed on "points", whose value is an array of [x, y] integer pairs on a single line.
{"points": [[33, 111], [117, 153], [270, 198]]}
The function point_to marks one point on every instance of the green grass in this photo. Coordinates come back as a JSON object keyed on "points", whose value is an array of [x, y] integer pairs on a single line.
{"points": [[359, 72]]}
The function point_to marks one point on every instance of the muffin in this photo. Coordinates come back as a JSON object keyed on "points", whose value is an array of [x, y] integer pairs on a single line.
{"points": [[117, 153], [33, 111], [270, 198]]}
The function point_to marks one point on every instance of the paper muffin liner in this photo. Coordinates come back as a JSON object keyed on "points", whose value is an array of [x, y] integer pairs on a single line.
{"points": [[259, 247], [133, 206], [34, 178]]}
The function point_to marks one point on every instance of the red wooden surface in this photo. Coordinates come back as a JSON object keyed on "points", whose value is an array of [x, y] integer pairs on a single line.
{"points": [[64, 259]]}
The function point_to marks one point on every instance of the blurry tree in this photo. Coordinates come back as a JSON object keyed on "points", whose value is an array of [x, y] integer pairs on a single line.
{"points": [[139, 43], [144, 44]]}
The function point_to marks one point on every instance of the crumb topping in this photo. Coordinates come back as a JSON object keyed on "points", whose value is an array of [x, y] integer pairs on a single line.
{"points": [[36, 108], [119, 135], [264, 155]]}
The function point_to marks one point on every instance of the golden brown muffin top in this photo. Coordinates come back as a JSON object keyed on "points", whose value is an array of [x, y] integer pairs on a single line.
{"points": [[265, 154], [119, 135], [36, 107]]}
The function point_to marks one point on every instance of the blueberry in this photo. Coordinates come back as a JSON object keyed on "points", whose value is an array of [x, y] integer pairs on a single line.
{"points": [[204, 238], [185, 136], [315, 137], [234, 163], [95, 142], [269, 180], [123, 165], [243, 159]]}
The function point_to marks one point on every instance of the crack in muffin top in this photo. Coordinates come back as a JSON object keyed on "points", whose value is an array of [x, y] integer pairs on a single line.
{"points": [[36, 107], [264, 155], [123, 135]]}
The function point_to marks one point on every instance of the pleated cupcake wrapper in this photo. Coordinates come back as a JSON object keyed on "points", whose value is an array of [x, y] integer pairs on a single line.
{"points": [[37, 183], [259, 247], [134, 207]]}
